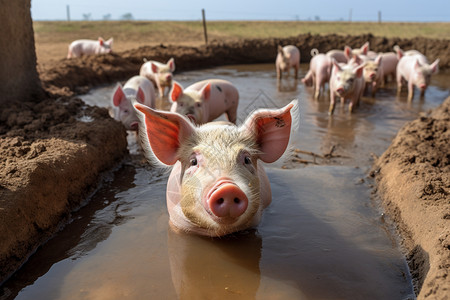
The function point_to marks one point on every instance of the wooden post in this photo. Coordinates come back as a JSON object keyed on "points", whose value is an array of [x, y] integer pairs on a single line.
{"points": [[350, 15], [68, 12], [204, 26], [379, 16]]}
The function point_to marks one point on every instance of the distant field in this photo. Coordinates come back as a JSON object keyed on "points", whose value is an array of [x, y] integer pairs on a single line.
{"points": [[53, 37]]}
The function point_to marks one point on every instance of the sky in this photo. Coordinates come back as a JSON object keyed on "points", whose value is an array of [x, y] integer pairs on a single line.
{"points": [[273, 10]]}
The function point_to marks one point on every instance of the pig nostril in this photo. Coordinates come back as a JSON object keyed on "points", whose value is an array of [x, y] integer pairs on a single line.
{"points": [[236, 200], [220, 201]]}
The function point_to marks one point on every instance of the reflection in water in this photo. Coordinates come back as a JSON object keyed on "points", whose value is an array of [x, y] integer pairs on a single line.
{"points": [[321, 237], [219, 268], [287, 85]]}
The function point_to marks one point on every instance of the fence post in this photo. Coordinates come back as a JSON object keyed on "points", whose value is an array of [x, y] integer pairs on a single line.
{"points": [[68, 12], [204, 26], [379, 16]]}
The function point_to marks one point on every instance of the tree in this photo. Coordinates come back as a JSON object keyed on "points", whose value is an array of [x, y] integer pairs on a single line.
{"points": [[127, 16]]}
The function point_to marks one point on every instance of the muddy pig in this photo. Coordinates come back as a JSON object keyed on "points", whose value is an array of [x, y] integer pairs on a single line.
{"points": [[372, 74], [346, 82], [287, 57], [415, 69], [319, 73], [89, 47], [158, 73], [205, 100], [218, 184], [137, 88]]}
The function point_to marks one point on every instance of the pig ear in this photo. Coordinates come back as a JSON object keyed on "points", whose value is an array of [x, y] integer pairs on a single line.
{"points": [[154, 68], [162, 133], [272, 129], [435, 66], [348, 52], [336, 65], [171, 64], [417, 64], [359, 70], [101, 41], [378, 59], [110, 41], [118, 95], [205, 92], [365, 48], [176, 92], [140, 96]]}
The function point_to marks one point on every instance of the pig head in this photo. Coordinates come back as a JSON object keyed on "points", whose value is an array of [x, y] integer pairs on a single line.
{"points": [[217, 185]]}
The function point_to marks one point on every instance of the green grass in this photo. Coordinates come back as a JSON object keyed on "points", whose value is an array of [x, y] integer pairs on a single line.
{"points": [[239, 29]]}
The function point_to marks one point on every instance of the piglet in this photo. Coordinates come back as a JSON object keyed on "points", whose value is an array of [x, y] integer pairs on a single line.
{"points": [[415, 69], [319, 73], [217, 185], [372, 74], [287, 57], [89, 47], [158, 73], [346, 82], [137, 88], [206, 100]]}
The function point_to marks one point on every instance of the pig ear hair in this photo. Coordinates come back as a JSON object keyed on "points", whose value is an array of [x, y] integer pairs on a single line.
{"points": [[161, 134], [171, 64], [175, 92], [118, 95], [273, 130]]}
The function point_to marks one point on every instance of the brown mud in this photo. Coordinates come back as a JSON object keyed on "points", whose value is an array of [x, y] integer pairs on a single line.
{"points": [[51, 158]]}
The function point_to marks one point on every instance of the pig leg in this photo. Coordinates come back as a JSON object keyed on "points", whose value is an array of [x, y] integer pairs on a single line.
{"points": [[399, 83], [232, 114], [317, 87], [296, 71], [332, 103], [410, 90], [279, 73]]}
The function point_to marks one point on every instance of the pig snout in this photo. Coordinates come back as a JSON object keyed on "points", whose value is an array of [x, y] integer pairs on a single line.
{"points": [[168, 77], [340, 90], [134, 126], [226, 200], [423, 86], [372, 76]]}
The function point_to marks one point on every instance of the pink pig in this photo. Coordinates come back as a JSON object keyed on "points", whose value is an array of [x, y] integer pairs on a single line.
{"points": [[206, 100], [319, 73], [346, 82], [217, 185], [287, 57], [158, 73], [415, 69], [89, 47], [137, 88]]}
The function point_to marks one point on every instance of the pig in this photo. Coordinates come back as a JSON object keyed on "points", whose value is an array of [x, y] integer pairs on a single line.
{"points": [[346, 82], [287, 57], [79, 48], [372, 74], [319, 73], [158, 73], [416, 71], [205, 100], [364, 50], [137, 88], [217, 185]]}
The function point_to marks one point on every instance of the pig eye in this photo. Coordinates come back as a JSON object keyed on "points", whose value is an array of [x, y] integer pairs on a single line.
{"points": [[193, 161], [180, 104], [198, 104], [247, 160], [125, 111]]}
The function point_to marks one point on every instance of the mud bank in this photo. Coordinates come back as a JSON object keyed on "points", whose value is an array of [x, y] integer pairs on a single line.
{"points": [[413, 177], [52, 152]]}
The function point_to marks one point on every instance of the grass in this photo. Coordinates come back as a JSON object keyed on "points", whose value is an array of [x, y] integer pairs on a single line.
{"points": [[63, 31]]}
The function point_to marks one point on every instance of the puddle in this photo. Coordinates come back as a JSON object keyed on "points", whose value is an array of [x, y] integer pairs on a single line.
{"points": [[321, 238]]}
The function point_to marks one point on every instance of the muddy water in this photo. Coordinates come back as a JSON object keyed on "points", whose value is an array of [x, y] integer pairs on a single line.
{"points": [[322, 237]]}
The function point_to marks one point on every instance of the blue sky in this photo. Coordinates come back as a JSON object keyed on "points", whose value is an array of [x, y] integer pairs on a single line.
{"points": [[326, 10]]}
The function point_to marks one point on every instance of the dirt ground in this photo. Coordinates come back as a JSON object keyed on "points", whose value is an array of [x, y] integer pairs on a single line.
{"points": [[53, 152]]}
